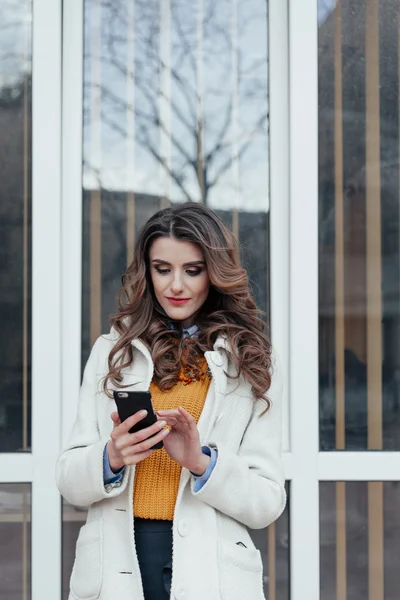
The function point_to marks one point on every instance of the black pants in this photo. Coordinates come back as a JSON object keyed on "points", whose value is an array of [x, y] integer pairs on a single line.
{"points": [[154, 549]]}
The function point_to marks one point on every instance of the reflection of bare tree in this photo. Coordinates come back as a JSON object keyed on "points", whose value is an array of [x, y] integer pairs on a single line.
{"points": [[15, 43], [12, 95], [15, 222], [206, 50]]}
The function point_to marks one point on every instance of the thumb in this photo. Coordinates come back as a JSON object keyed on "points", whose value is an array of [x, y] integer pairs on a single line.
{"points": [[115, 419]]}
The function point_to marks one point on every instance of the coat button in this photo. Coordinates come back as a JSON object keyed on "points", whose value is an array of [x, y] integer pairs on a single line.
{"points": [[108, 488], [183, 528], [180, 593]]}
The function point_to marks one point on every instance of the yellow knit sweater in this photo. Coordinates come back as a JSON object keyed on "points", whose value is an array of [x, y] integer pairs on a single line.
{"points": [[157, 477]]}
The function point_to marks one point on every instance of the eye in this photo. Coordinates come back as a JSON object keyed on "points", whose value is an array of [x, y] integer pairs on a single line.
{"points": [[194, 272], [162, 271]]}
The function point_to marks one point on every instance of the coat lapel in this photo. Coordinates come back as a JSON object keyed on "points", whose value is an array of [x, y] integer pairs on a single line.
{"points": [[218, 365], [144, 363]]}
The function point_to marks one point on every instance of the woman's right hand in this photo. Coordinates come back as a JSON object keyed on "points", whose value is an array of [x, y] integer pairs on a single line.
{"points": [[126, 448]]}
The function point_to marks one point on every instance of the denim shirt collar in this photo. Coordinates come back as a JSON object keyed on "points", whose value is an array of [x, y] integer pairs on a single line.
{"points": [[190, 331]]}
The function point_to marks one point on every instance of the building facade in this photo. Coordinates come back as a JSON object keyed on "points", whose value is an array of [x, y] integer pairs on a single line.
{"points": [[283, 116]]}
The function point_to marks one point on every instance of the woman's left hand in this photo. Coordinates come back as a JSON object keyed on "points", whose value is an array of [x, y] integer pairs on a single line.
{"points": [[183, 441]]}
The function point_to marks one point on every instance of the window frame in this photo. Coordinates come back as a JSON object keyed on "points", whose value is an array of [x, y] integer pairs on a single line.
{"points": [[57, 200], [37, 467]]}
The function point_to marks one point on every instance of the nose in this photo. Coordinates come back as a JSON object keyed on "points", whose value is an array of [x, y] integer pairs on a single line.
{"points": [[177, 284]]}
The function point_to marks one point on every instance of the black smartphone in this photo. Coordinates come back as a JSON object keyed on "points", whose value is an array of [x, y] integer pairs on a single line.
{"points": [[130, 402]]}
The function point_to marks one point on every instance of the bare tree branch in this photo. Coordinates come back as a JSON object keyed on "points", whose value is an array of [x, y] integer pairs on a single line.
{"points": [[241, 152], [186, 137]]}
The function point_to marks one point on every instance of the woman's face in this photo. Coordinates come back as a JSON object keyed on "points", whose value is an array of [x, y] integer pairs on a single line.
{"points": [[180, 278]]}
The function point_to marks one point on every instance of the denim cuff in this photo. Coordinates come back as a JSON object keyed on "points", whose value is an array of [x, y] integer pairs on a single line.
{"points": [[202, 479], [108, 474]]}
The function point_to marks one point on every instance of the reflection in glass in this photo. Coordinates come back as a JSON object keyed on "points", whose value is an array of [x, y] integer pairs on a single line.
{"points": [[175, 109], [72, 520], [273, 544], [360, 540], [15, 541], [359, 242], [15, 224]]}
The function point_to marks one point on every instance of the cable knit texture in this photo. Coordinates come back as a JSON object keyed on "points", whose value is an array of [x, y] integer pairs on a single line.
{"points": [[157, 477]]}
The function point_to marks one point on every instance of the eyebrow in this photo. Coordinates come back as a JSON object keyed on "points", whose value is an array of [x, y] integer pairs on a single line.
{"points": [[188, 264]]}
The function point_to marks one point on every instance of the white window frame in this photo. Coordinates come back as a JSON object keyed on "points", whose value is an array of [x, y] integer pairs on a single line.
{"points": [[72, 156], [46, 296], [303, 299], [37, 466]]}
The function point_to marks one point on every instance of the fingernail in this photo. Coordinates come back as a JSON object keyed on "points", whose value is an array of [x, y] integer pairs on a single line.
{"points": [[162, 424], [143, 413], [165, 432]]}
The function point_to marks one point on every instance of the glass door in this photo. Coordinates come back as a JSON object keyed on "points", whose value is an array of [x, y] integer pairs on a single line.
{"points": [[344, 298], [359, 295]]}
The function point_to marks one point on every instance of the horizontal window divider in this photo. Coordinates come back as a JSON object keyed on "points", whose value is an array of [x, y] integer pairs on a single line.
{"points": [[16, 468], [19, 517], [359, 466]]}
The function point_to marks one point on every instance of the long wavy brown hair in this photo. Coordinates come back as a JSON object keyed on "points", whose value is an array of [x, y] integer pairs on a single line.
{"points": [[229, 311]]}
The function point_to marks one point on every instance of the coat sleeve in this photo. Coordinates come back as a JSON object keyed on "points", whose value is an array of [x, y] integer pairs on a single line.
{"points": [[79, 470], [249, 486]]}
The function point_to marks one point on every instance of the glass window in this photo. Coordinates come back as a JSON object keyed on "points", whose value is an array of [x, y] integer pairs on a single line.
{"points": [[273, 544], [359, 242], [15, 541], [15, 224], [175, 109], [73, 518], [360, 540]]}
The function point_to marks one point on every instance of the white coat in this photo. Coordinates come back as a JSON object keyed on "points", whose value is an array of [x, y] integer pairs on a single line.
{"points": [[246, 489]]}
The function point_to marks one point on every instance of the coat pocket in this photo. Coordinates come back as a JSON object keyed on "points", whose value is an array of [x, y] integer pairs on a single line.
{"points": [[241, 572], [87, 573]]}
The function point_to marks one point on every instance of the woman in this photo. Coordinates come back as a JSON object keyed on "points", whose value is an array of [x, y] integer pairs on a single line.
{"points": [[173, 522]]}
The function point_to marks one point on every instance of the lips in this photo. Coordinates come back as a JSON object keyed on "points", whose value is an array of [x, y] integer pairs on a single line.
{"points": [[178, 301]]}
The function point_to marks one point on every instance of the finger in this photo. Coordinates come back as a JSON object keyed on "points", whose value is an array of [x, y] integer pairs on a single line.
{"points": [[181, 419], [115, 418], [150, 442], [171, 421], [184, 412], [187, 416], [133, 420], [121, 428], [143, 434], [134, 459], [121, 441], [145, 444], [168, 413], [168, 418]]}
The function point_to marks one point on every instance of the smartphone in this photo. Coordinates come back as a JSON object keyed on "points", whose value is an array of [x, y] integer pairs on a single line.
{"points": [[130, 402]]}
